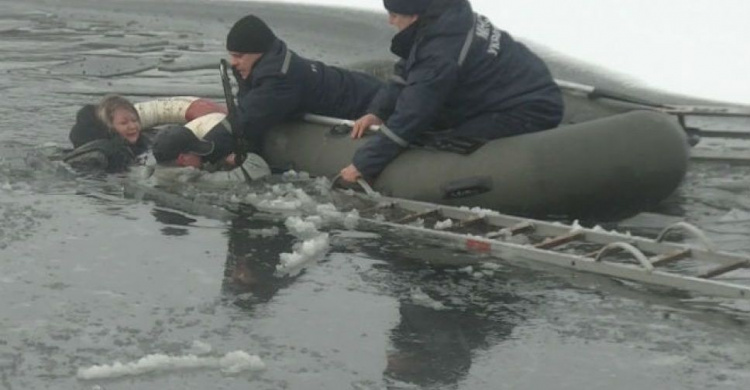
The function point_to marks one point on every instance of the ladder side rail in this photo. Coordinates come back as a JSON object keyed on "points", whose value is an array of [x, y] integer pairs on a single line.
{"points": [[542, 228], [499, 221], [635, 273]]}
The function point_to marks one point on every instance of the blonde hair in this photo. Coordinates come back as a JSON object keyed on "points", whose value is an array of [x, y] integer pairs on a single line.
{"points": [[111, 103]]}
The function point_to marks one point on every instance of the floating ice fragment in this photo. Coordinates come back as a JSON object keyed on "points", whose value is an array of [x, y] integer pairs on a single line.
{"points": [[301, 228], [200, 348], [232, 362], [480, 211], [310, 250], [491, 266], [351, 219], [419, 297], [442, 225]]}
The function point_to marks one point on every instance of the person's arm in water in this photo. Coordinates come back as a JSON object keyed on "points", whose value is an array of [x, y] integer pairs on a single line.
{"points": [[254, 166]]}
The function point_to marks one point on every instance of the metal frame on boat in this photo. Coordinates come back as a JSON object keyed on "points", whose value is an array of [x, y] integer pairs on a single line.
{"points": [[682, 113]]}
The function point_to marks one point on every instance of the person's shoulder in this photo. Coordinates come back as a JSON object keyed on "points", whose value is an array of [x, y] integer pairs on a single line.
{"points": [[86, 116], [87, 127], [88, 161], [279, 62], [86, 111]]}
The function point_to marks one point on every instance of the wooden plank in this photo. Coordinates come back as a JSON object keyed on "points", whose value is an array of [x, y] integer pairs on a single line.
{"points": [[468, 222], [559, 240], [379, 206], [522, 227], [724, 269], [668, 258], [416, 216]]}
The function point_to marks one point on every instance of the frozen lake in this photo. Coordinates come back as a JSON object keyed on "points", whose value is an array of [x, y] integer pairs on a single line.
{"points": [[90, 277]]}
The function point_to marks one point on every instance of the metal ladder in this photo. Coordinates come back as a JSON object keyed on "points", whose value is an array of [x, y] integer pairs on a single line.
{"points": [[651, 261]]}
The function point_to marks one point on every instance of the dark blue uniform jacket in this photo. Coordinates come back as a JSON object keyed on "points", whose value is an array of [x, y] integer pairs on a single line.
{"points": [[457, 71], [283, 85]]}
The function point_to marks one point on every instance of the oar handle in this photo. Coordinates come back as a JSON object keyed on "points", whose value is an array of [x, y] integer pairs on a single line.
{"points": [[331, 121], [595, 93]]}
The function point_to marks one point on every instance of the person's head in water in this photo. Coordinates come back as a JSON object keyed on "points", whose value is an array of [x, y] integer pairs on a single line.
{"points": [[177, 145], [247, 41], [120, 117], [403, 13]]}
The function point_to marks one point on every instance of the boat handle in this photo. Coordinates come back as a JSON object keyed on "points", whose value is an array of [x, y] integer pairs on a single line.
{"points": [[637, 254], [366, 187], [692, 229], [362, 183]]}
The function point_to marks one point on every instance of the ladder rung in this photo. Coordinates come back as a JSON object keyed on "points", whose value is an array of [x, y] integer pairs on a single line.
{"points": [[379, 206], [724, 269], [559, 240], [513, 230], [595, 253], [667, 258], [414, 217], [468, 222]]}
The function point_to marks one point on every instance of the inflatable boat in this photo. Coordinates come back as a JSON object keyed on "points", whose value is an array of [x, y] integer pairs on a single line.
{"points": [[610, 166]]}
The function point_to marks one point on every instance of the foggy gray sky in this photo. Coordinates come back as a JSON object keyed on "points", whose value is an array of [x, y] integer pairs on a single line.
{"points": [[696, 47]]}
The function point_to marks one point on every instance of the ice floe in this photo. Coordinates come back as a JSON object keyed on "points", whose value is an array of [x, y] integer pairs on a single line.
{"points": [[231, 363]]}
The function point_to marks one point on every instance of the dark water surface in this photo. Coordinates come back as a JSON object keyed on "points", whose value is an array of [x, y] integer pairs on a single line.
{"points": [[90, 277]]}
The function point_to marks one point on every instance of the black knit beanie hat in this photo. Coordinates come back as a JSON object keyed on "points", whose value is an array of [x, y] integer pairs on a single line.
{"points": [[407, 7], [250, 35]]}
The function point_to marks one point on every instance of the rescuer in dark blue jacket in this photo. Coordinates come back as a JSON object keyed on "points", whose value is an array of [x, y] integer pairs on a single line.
{"points": [[457, 73], [276, 84]]}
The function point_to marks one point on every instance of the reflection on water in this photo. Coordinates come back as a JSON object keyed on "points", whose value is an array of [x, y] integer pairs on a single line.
{"points": [[445, 316], [253, 253], [434, 344]]}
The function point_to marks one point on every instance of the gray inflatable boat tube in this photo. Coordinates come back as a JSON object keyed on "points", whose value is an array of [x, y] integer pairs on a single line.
{"points": [[611, 166]]}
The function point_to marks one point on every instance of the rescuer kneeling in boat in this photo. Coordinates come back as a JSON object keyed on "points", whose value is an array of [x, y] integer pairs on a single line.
{"points": [[276, 84], [458, 78], [208, 161]]}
